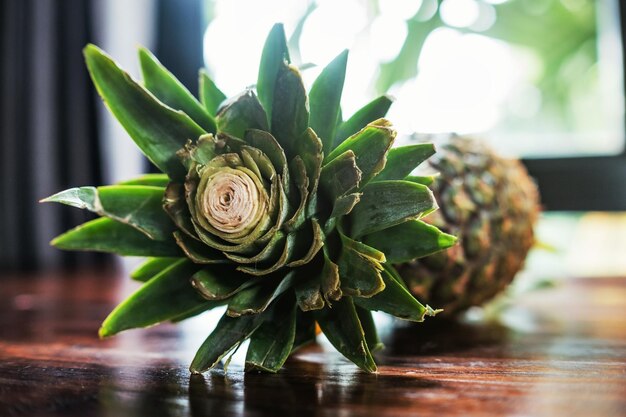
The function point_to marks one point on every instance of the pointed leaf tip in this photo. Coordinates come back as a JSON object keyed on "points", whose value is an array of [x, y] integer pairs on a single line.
{"points": [[90, 49], [432, 312], [395, 300], [103, 333], [409, 240], [370, 146], [447, 241]]}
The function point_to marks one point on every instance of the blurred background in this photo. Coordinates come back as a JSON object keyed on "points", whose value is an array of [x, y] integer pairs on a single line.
{"points": [[542, 80]]}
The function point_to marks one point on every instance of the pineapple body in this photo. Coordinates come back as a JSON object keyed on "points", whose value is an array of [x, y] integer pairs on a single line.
{"points": [[491, 204]]}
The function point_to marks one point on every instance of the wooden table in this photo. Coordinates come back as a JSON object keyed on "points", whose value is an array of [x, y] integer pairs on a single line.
{"points": [[562, 352]]}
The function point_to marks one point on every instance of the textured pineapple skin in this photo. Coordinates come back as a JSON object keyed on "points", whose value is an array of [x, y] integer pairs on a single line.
{"points": [[491, 204]]}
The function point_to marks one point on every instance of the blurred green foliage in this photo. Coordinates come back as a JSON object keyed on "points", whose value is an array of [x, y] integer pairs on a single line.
{"points": [[562, 34], [557, 39]]}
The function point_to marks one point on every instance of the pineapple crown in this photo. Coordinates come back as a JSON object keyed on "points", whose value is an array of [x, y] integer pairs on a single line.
{"points": [[269, 203]]}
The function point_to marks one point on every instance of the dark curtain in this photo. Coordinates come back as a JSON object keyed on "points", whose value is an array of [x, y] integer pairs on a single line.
{"points": [[48, 132], [179, 39], [179, 42], [48, 126]]}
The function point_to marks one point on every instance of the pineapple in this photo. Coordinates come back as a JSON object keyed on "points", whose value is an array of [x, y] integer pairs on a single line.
{"points": [[491, 204], [269, 204]]}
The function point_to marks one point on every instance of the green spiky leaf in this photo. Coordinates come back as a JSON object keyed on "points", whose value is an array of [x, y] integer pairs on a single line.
{"points": [[220, 283], [325, 99], [158, 130], [274, 58], [152, 267], [151, 180], [241, 113], [210, 96], [257, 298], [106, 235], [229, 333], [387, 203], [374, 110], [305, 330], [166, 296], [272, 342], [396, 300], [370, 146], [403, 160], [340, 176], [309, 148], [166, 87], [138, 206], [290, 114], [344, 205], [359, 272], [420, 179], [343, 329], [409, 240], [369, 329]]}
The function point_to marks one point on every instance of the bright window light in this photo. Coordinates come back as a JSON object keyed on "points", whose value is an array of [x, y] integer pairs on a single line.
{"points": [[459, 13], [497, 68]]}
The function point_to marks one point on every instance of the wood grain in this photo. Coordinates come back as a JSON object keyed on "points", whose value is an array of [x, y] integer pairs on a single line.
{"points": [[559, 352]]}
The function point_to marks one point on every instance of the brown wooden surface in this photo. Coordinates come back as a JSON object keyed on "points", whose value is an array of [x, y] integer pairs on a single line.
{"points": [[561, 353]]}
